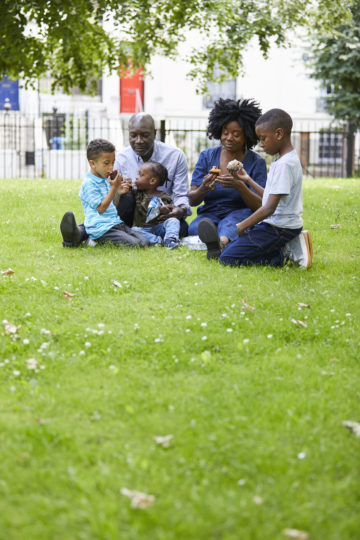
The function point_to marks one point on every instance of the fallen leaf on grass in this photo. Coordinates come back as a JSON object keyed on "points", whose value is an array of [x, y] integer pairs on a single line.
{"points": [[10, 328], [246, 305], [353, 426], [301, 305], [299, 323], [138, 499], [7, 272], [297, 535], [334, 226], [68, 295], [42, 421], [163, 441], [116, 283]]}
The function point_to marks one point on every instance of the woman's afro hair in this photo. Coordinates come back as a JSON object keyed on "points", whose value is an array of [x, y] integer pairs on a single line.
{"points": [[243, 111]]}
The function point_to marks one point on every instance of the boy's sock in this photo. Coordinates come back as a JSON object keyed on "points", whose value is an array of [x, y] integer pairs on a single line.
{"points": [[71, 233], [299, 250], [208, 234]]}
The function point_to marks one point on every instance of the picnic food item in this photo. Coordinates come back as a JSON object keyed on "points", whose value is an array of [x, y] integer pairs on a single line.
{"points": [[153, 210], [113, 175], [234, 165], [214, 170]]}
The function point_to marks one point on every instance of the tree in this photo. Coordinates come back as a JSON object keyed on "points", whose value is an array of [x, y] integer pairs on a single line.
{"points": [[73, 41], [335, 62]]}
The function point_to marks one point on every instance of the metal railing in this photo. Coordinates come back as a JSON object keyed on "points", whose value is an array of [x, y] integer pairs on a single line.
{"points": [[54, 145]]}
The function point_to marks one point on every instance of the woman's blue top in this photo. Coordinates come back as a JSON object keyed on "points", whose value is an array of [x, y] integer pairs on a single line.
{"points": [[224, 200]]}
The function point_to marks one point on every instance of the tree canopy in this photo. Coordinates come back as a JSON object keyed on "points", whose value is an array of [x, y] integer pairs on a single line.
{"points": [[335, 62], [74, 42]]}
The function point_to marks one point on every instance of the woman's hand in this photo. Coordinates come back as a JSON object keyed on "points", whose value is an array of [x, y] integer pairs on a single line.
{"points": [[209, 181], [228, 181]]}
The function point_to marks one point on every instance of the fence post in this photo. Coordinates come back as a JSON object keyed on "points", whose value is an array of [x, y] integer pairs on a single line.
{"points": [[350, 140], [162, 131]]}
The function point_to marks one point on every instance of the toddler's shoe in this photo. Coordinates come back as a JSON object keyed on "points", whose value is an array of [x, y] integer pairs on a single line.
{"points": [[208, 234], [299, 250], [71, 233], [171, 243]]}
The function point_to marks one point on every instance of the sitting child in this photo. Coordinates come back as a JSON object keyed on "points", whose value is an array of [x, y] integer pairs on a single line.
{"points": [[164, 230], [97, 192], [274, 231]]}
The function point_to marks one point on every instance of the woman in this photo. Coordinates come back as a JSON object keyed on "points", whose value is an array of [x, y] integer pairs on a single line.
{"points": [[225, 201]]}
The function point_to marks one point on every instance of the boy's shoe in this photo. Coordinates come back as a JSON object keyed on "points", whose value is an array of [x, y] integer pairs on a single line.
{"points": [[71, 233], [90, 243], [171, 243], [299, 250], [208, 234]]}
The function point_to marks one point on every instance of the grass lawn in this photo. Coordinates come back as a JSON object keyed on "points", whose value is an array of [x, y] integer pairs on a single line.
{"points": [[255, 402]]}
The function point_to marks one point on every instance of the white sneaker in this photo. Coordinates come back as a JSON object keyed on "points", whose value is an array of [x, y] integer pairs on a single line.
{"points": [[299, 250], [90, 243]]}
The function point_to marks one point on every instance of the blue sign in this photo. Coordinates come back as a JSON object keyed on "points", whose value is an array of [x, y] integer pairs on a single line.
{"points": [[9, 89]]}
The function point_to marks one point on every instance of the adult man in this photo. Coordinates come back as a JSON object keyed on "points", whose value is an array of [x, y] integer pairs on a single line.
{"points": [[143, 147]]}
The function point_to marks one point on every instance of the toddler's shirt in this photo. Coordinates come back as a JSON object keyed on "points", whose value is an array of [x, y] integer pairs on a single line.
{"points": [[285, 179], [142, 200], [93, 190]]}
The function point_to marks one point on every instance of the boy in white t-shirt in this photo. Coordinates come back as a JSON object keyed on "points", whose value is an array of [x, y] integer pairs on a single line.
{"points": [[273, 233]]}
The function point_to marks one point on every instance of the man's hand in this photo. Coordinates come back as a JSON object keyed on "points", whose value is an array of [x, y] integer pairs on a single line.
{"points": [[174, 212]]}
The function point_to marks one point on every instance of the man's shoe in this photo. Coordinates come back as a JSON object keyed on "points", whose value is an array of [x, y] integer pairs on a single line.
{"points": [[171, 243], [299, 250], [208, 234], [71, 233]]}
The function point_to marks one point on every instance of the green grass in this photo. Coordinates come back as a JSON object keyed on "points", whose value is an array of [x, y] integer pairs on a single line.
{"points": [[262, 404]]}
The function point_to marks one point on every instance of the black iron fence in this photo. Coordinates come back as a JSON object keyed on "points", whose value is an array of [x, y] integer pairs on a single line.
{"points": [[54, 145]]}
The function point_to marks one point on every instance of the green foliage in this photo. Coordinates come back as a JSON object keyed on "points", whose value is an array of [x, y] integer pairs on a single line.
{"points": [[256, 408], [335, 62], [73, 41]]}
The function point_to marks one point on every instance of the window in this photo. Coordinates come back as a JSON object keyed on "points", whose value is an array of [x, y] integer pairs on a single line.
{"points": [[330, 146], [225, 90]]}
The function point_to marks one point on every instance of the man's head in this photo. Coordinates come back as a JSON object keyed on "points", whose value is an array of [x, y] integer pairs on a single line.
{"points": [[101, 157], [274, 130], [142, 134]]}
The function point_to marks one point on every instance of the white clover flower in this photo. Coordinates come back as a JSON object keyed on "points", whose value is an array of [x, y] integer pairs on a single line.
{"points": [[31, 363]]}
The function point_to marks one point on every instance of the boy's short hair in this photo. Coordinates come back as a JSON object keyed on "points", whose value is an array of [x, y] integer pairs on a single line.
{"points": [[277, 118], [160, 172], [97, 147]]}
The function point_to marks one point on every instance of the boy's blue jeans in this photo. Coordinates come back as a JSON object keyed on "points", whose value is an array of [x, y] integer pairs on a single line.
{"points": [[262, 244], [226, 224], [156, 234]]}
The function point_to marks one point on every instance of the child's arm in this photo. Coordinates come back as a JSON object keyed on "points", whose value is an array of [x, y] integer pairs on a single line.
{"points": [[243, 175], [115, 184], [262, 213], [124, 188]]}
